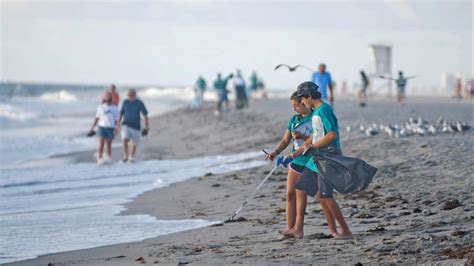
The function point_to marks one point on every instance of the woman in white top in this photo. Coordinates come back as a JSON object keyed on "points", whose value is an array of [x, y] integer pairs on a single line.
{"points": [[106, 118]]}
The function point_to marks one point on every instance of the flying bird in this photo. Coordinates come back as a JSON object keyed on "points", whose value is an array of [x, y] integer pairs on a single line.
{"points": [[291, 69]]}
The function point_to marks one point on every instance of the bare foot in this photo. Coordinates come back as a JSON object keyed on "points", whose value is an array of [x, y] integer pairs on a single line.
{"points": [[343, 237], [294, 233], [283, 232], [334, 234], [283, 237]]}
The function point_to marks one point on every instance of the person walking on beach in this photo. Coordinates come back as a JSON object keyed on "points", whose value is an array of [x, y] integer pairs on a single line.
{"points": [[298, 130], [323, 79], [220, 85], [325, 134], [115, 95], [363, 91], [106, 118], [401, 82], [199, 89], [469, 88], [130, 118], [241, 100], [254, 82], [458, 88]]}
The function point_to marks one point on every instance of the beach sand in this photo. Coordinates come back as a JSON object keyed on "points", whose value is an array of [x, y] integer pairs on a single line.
{"points": [[418, 209]]}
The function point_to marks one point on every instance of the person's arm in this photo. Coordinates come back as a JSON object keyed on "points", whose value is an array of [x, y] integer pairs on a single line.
{"points": [[146, 122], [145, 115], [122, 111], [117, 119], [302, 148], [117, 126], [284, 142], [96, 120], [298, 135], [324, 141]]}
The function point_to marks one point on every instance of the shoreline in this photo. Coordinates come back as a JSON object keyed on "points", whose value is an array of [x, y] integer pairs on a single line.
{"points": [[253, 241]]}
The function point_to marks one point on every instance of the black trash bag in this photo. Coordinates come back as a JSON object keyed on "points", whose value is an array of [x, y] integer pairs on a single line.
{"points": [[344, 174]]}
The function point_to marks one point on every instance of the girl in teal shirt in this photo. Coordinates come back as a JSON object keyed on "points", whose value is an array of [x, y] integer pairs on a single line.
{"points": [[298, 130]]}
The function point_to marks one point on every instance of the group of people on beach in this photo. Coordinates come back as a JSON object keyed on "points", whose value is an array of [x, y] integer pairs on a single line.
{"points": [[400, 82], [110, 120], [242, 91], [313, 127]]}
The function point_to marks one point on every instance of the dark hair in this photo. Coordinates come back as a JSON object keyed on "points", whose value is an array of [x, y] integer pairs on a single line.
{"points": [[294, 96]]}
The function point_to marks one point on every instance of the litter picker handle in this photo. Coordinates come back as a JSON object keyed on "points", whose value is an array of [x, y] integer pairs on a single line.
{"points": [[251, 194]]}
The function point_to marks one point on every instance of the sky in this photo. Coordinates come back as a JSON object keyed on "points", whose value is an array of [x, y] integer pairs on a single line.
{"points": [[172, 42]]}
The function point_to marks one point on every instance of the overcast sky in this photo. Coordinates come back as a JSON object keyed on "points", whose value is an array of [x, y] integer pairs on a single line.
{"points": [[172, 42]]}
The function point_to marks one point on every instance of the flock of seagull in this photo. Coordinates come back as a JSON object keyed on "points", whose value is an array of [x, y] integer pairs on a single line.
{"points": [[413, 127]]}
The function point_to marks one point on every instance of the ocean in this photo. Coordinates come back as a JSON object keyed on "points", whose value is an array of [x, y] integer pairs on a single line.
{"points": [[49, 206]]}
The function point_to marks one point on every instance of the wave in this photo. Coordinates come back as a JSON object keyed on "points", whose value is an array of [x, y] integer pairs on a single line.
{"points": [[174, 93], [10, 113], [59, 96]]}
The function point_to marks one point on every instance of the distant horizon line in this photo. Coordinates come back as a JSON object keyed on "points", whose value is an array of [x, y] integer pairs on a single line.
{"points": [[91, 84]]}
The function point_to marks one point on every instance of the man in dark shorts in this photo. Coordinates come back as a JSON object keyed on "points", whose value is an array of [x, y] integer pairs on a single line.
{"points": [[325, 134]]}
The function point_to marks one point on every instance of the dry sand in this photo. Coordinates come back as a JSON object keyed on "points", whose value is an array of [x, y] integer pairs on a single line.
{"points": [[418, 209]]}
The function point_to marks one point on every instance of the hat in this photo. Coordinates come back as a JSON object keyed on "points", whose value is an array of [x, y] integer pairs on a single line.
{"points": [[308, 88]]}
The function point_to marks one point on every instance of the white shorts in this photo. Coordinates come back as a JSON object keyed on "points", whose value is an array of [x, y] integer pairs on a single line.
{"points": [[132, 134]]}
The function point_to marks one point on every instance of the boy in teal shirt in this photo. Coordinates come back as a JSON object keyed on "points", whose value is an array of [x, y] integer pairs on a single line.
{"points": [[325, 134]]}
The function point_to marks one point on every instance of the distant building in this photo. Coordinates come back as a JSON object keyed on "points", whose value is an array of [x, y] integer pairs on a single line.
{"points": [[447, 83], [380, 56]]}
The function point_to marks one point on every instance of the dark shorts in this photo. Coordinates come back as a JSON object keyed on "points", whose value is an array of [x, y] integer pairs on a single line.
{"points": [[310, 182], [222, 96], [297, 168], [106, 132]]}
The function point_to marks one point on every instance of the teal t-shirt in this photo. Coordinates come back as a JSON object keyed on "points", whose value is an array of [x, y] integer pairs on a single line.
{"points": [[201, 84], [301, 124], [323, 121]]}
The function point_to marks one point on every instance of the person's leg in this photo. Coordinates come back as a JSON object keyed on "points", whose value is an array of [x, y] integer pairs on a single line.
{"points": [[328, 215], [108, 147], [306, 185], [100, 149], [218, 106], [125, 138], [326, 198], [301, 201], [336, 212], [125, 148], [291, 180], [135, 139], [134, 149]]}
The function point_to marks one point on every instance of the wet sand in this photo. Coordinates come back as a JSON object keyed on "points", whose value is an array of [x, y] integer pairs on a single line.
{"points": [[417, 210]]}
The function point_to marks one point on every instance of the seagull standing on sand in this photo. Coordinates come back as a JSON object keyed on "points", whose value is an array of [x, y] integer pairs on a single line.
{"points": [[461, 127]]}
